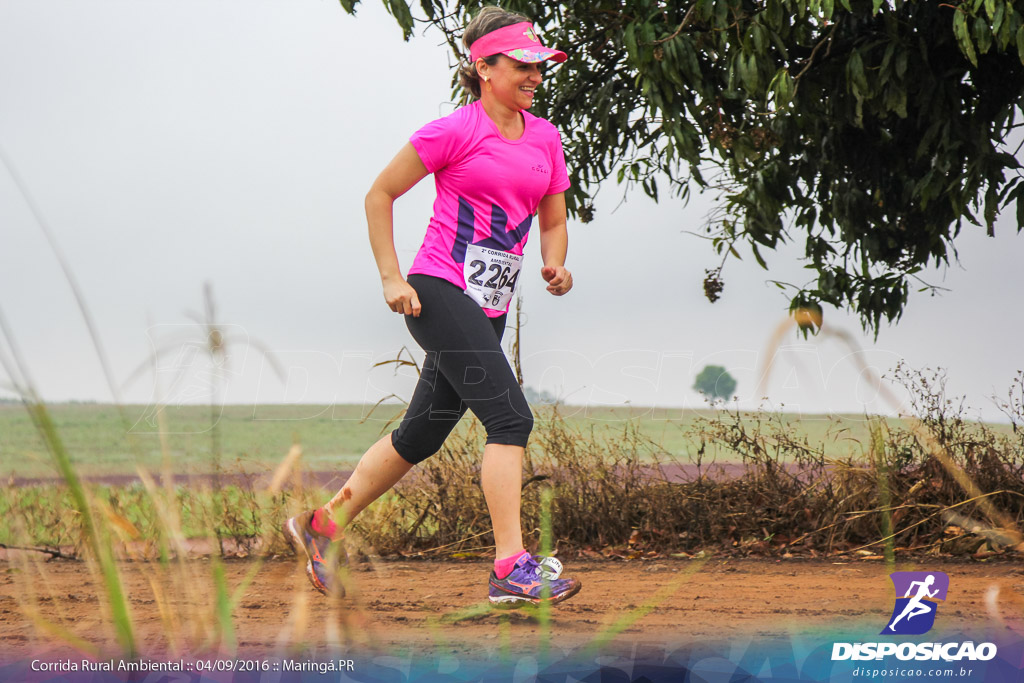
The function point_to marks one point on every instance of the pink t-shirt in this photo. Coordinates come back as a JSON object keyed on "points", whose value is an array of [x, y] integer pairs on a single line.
{"points": [[488, 189]]}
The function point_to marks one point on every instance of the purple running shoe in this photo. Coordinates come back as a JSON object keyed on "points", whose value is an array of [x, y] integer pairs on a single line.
{"points": [[323, 555], [528, 583]]}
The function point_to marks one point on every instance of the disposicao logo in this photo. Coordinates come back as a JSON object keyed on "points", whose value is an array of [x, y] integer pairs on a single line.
{"points": [[917, 596], [914, 612]]}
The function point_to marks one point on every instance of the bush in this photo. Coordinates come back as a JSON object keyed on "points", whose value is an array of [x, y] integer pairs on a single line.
{"points": [[937, 483]]}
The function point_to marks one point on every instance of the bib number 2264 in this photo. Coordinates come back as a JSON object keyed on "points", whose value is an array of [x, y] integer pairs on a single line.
{"points": [[491, 276]]}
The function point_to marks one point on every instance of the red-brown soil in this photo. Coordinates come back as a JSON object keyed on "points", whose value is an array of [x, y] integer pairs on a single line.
{"points": [[403, 606]]}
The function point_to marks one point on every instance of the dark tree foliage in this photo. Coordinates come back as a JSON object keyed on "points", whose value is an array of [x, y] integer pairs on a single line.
{"points": [[715, 383], [871, 131]]}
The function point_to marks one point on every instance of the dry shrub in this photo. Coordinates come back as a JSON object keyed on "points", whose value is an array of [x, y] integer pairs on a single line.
{"points": [[40, 517], [615, 491], [791, 498], [241, 518], [931, 506], [440, 507]]}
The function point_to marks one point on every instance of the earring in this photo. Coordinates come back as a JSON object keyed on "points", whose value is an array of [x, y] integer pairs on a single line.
{"points": [[487, 82]]}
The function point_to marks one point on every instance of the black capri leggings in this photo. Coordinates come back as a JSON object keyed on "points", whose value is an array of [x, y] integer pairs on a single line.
{"points": [[464, 368]]}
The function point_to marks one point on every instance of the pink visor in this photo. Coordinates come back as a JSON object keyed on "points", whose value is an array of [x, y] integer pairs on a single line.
{"points": [[517, 41]]}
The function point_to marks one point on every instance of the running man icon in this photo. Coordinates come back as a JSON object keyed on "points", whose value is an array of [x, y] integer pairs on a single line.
{"points": [[914, 613]]}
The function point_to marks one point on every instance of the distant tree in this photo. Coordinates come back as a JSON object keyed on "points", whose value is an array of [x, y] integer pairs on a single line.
{"points": [[870, 131], [538, 397], [715, 383]]}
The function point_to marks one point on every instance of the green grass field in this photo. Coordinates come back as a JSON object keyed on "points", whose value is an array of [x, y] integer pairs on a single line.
{"points": [[256, 438]]}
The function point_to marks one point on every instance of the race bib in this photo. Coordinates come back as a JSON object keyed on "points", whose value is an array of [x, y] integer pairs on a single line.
{"points": [[491, 276]]}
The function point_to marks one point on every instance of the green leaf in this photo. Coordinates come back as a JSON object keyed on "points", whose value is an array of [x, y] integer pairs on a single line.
{"points": [[1020, 44], [982, 35], [629, 38], [998, 25], [963, 39], [827, 8], [901, 103], [887, 59], [875, 6], [901, 64], [747, 75], [855, 78], [647, 33], [721, 14], [702, 10], [399, 9], [757, 255], [779, 44], [991, 208], [775, 14], [759, 36], [782, 88]]}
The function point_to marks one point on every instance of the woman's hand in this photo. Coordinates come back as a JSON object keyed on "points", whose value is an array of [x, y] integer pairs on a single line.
{"points": [[404, 171], [554, 242], [559, 279], [401, 297]]}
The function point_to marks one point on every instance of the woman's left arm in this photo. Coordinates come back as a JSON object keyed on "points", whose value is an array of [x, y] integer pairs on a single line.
{"points": [[554, 243]]}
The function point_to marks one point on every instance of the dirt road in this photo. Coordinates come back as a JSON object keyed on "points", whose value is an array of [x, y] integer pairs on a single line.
{"points": [[432, 606]]}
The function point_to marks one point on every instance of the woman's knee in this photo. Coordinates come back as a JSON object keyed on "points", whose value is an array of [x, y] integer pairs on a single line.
{"points": [[416, 439], [513, 428]]}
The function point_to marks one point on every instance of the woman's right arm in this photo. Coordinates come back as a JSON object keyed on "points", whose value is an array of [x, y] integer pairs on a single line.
{"points": [[404, 171]]}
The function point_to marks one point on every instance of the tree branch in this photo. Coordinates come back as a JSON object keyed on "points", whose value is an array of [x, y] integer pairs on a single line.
{"points": [[682, 25], [52, 553], [810, 59]]}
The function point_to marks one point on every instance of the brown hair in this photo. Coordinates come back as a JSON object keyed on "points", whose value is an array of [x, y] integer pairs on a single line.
{"points": [[487, 20]]}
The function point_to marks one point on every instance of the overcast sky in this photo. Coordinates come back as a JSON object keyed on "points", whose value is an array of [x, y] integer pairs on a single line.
{"points": [[172, 144]]}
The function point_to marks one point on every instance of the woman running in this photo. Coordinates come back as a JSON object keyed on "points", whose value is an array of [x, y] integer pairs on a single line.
{"points": [[495, 167]]}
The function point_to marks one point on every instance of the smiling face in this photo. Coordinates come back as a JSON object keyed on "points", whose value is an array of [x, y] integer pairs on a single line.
{"points": [[512, 83]]}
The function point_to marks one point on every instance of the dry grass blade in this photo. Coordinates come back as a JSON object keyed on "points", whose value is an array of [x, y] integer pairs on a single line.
{"points": [[29, 605], [62, 634], [944, 513], [973, 526], [169, 616], [97, 539], [400, 362], [285, 469], [69, 275], [391, 420], [922, 429]]}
